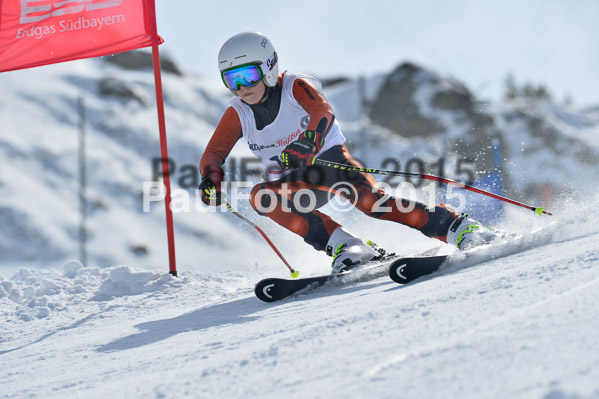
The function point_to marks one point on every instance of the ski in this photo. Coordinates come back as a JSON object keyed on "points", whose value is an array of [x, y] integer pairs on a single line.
{"points": [[274, 289], [404, 270]]}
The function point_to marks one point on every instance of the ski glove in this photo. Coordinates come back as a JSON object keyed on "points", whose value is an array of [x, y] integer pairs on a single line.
{"points": [[300, 154], [210, 187]]}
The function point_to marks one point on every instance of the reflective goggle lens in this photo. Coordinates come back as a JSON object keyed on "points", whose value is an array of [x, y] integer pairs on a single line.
{"points": [[246, 75]]}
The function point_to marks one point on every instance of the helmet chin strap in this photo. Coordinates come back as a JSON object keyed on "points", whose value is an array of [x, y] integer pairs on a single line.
{"points": [[267, 90]]}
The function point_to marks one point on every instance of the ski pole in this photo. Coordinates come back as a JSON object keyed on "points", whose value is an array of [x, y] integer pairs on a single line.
{"points": [[340, 166], [294, 273]]}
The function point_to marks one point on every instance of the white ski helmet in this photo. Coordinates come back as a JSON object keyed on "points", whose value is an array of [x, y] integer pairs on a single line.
{"points": [[250, 48]]}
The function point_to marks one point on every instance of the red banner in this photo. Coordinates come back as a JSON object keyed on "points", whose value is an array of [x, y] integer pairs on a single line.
{"points": [[41, 32]]}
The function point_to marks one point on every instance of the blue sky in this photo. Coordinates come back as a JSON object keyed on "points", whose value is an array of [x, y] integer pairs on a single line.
{"points": [[477, 42]]}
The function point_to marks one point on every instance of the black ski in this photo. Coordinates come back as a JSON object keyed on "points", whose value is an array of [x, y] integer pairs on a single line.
{"points": [[275, 289], [408, 269], [404, 270]]}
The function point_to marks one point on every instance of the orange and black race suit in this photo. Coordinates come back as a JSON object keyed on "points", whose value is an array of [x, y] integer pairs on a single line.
{"points": [[283, 200], [359, 188]]}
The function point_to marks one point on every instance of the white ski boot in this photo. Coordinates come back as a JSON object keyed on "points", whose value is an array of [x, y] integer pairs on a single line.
{"points": [[348, 250], [466, 233]]}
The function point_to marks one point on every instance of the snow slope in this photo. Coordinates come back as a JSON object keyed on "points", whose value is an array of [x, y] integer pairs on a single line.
{"points": [[522, 326]]}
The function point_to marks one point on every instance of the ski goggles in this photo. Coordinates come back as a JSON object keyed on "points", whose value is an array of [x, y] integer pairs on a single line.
{"points": [[245, 75], [248, 74]]}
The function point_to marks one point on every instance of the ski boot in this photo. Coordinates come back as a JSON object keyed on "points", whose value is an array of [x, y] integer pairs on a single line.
{"points": [[467, 233], [348, 250]]}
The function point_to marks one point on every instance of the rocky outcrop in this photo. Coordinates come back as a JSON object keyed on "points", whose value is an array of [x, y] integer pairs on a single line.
{"points": [[139, 60], [537, 138], [417, 103]]}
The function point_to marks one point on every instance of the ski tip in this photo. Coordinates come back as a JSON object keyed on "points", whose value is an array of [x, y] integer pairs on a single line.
{"points": [[295, 274]]}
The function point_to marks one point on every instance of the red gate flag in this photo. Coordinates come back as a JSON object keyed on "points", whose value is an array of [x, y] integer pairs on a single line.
{"points": [[41, 32]]}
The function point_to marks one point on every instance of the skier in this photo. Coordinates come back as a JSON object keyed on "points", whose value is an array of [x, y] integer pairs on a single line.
{"points": [[288, 123]]}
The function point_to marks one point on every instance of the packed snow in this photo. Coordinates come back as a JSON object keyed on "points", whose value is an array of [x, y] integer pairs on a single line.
{"points": [[521, 326]]}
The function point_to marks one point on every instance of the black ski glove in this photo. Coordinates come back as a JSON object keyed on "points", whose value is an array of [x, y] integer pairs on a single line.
{"points": [[300, 154], [210, 187]]}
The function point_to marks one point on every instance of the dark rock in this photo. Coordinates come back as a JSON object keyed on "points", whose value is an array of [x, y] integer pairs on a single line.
{"points": [[329, 82], [113, 87], [139, 250], [412, 100], [455, 99], [395, 107], [139, 60]]}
